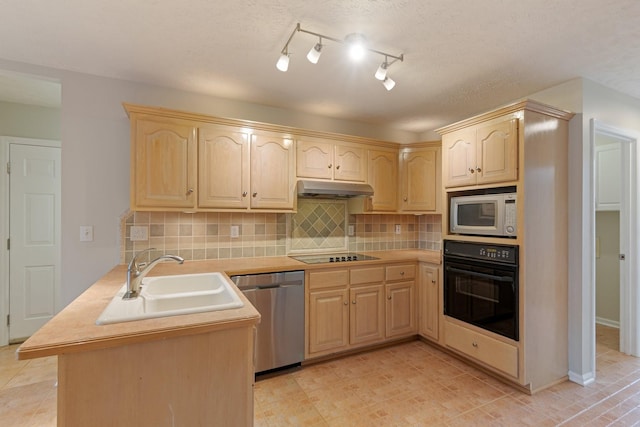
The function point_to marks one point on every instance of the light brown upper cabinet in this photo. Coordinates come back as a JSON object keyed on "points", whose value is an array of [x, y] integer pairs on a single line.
{"points": [[272, 172], [240, 170], [383, 177], [163, 164], [318, 159], [482, 154], [419, 179], [223, 168]]}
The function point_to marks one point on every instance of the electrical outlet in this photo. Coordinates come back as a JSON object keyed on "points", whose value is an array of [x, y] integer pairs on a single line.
{"points": [[139, 233], [235, 231], [86, 233], [398, 228], [350, 230]]}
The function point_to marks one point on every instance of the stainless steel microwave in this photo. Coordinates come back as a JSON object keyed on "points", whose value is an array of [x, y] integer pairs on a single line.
{"points": [[484, 215]]}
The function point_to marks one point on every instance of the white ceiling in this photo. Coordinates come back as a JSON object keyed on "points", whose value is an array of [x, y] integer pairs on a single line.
{"points": [[461, 57]]}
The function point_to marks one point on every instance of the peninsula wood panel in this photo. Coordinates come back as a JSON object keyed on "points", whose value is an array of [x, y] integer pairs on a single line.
{"points": [[187, 380]]}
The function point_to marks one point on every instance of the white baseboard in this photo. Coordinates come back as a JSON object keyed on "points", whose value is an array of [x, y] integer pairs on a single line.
{"points": [[584, 379], [607, 322]]}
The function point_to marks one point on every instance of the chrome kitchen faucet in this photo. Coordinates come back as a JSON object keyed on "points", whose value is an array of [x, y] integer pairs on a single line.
{"points": [[135, 275]]}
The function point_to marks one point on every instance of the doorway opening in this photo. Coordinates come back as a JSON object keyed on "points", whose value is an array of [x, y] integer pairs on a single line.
{"points": [[615, 277]]}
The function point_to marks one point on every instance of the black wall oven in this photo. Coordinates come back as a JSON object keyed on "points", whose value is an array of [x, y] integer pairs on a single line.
{"points": [[481, 285]]}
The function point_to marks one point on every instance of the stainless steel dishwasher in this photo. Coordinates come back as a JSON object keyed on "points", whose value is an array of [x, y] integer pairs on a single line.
{"points": [[279, 298]]}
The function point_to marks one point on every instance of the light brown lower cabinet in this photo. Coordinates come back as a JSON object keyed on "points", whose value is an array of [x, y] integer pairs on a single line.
{"points": [[359, 306], [489, 351], [429, 301]]}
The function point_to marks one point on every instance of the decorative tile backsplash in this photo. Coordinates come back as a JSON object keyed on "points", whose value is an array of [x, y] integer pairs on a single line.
{"points": [[316, 225], [319, 225]]}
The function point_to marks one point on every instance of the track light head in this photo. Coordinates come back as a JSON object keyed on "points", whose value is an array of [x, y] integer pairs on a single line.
{"points": [[314, 54], [283, 62], [381, 72], [388, 83]]}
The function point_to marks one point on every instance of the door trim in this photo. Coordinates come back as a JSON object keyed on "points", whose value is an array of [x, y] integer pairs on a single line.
{"points": [[5, 142]]}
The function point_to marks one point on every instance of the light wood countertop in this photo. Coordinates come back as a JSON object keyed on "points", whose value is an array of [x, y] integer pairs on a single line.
{"points": [[74, 328]]}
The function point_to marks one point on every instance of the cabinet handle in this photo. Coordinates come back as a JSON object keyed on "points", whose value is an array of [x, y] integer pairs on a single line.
{"points": [[353, 302], [478, 170], [402, 273], [472, 170], [190, 191], [346, 303], [254, 194], [433, 281], [330, 165], [475, 344], [244, 194], [405, 199], [338, 167], [389, 297]]}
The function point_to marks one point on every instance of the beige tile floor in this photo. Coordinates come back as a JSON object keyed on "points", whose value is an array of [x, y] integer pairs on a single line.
{"points": [[411, 384]]}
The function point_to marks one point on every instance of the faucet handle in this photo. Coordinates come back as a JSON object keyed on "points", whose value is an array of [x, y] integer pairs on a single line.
{"points": [[133, 265]]}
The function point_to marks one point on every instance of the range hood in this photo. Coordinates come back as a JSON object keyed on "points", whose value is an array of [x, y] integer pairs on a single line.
{"points": [[332, 190]]}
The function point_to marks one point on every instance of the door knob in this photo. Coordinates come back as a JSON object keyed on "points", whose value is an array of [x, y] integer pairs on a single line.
{"points": [[244, 194], [338, 167], [478, 170], [190, 191], [389, 297], [472, 170], [330, 165], [254, 194]]}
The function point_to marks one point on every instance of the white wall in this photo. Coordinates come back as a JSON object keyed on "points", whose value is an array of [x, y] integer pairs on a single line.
{"points": [[95, 157]]}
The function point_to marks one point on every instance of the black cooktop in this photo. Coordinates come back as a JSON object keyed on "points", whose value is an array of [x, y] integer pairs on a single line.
{"points": [[337, 257]]}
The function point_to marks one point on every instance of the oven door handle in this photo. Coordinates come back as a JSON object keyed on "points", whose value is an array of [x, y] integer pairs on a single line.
{"points": [[483, 275]]}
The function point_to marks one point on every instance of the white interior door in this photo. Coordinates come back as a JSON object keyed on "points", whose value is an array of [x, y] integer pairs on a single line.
{"points": [[34, 233]]}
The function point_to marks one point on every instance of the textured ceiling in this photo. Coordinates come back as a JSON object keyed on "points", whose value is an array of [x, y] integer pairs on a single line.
{"points": [[461, 57]]}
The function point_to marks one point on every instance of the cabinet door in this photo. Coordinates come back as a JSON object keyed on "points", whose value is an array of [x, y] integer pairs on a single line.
{"points": [[223, 168], [608, 177], [366, 318], [428, 297], [497, 151], [272, 172], [350, 163], [328, 320], [164, 165], [419, 180], [459, 158], [401, 311], [383, 177], [314, 159]]}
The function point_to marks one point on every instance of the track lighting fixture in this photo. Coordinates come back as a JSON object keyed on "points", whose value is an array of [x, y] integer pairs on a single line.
{"points": [[315, 52], [388, 83], [357, 49]]}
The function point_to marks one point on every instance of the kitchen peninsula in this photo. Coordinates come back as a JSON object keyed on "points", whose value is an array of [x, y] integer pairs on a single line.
{"points": [[194, 369]]}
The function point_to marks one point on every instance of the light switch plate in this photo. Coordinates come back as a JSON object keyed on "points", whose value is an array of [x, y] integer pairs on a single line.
{"points": [[139, 233], [351, 231], [398, 228], [86, 233], [235, 231]]}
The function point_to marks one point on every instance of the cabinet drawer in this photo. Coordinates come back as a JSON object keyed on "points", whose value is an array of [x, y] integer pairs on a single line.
{"points": [[401, 272], [492, 352], [328, 279], [366, 275]]}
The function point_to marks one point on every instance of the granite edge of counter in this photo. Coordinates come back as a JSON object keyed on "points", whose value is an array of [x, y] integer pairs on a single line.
{"points": [[80, 333]]}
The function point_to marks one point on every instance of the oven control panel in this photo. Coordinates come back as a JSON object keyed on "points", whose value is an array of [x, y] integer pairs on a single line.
{"points": [[482, 251]]}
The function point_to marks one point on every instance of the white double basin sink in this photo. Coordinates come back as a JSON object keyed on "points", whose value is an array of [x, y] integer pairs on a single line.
{"points": [[172, 295]]}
